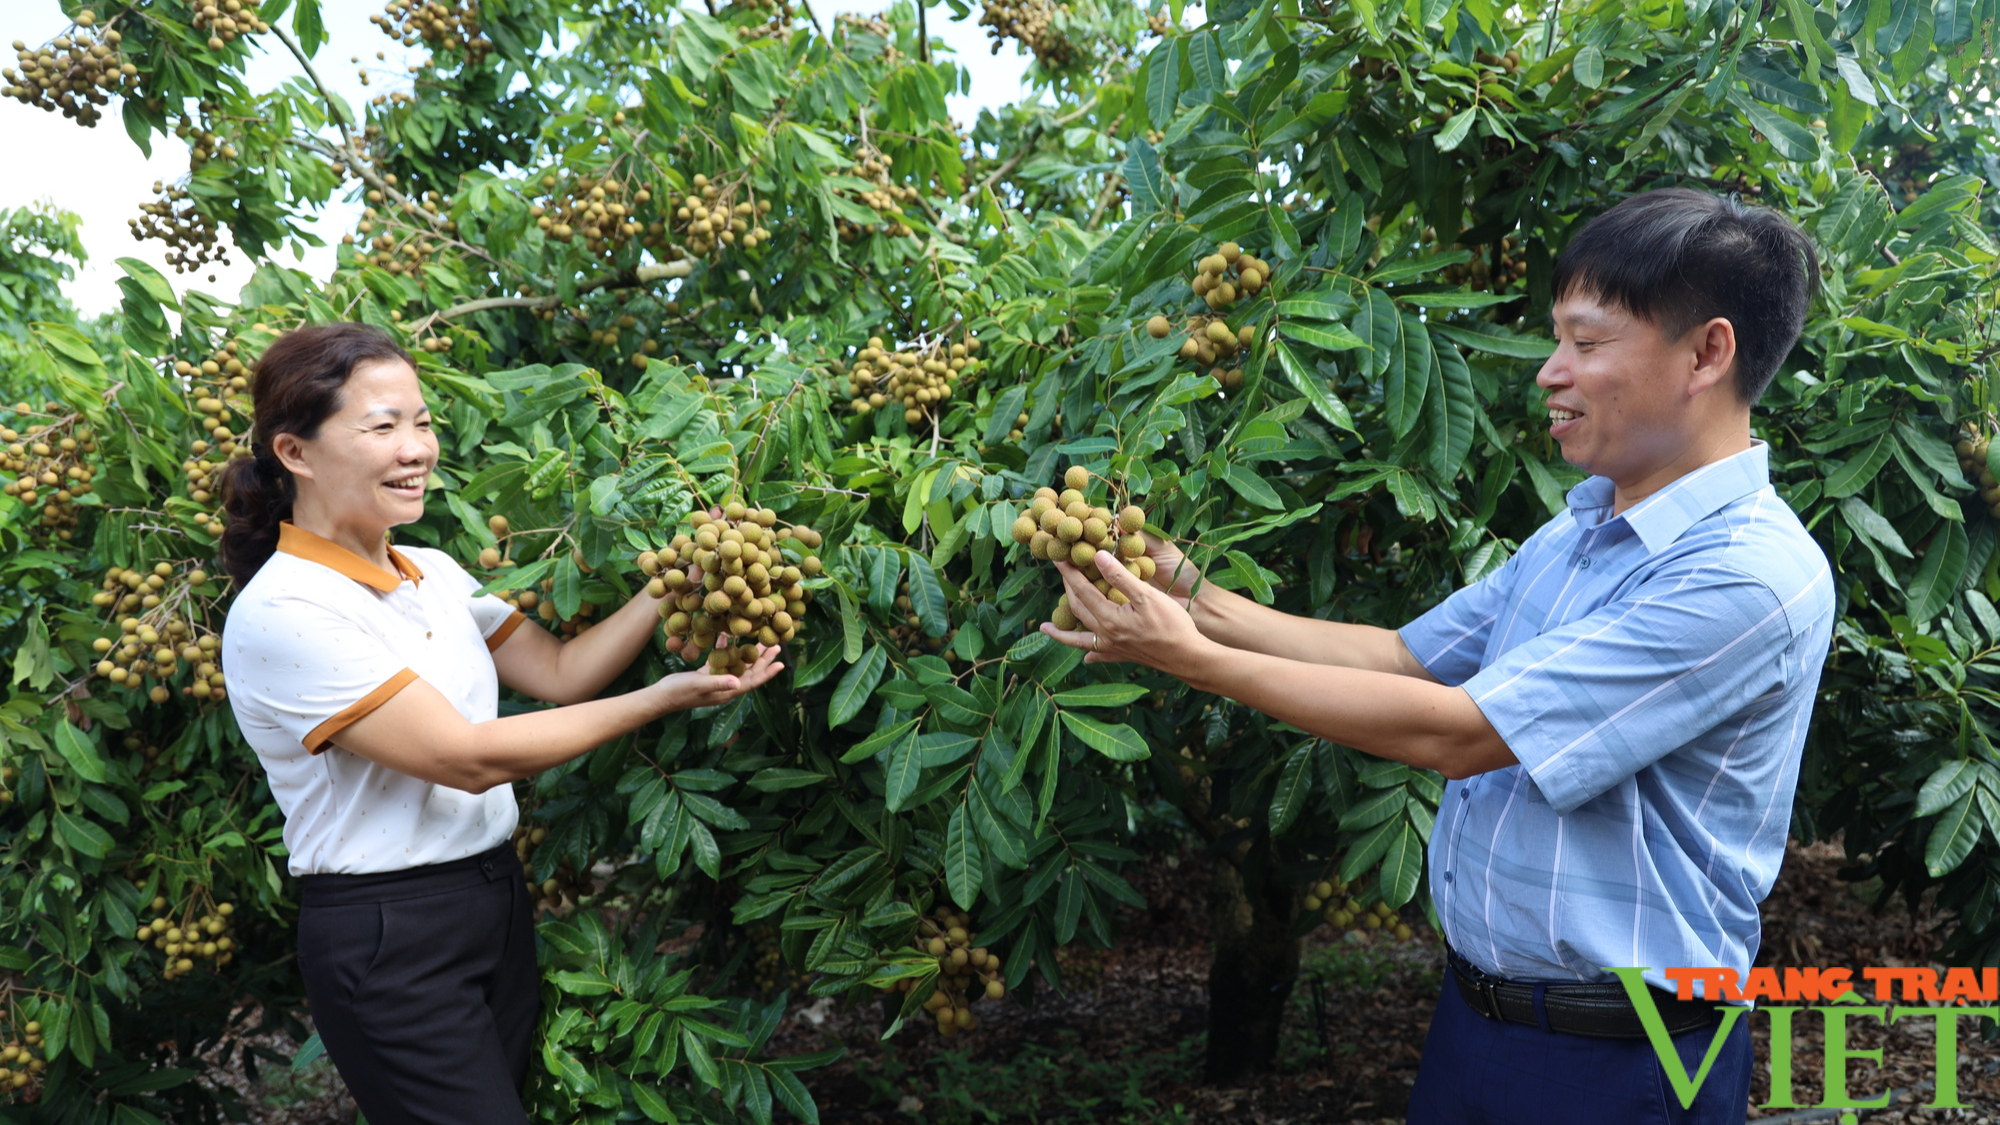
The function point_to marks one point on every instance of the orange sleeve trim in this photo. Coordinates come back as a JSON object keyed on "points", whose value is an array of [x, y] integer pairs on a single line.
{"points": [[359, 709], [505, 630]]}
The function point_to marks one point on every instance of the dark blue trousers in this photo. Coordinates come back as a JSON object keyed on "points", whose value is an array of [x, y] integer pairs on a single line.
{"points": [[1478, 1071]]}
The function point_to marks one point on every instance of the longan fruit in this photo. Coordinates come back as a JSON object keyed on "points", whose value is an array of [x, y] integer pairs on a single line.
{"points": [[1131, 518], [498, 525], [1024, 529], [1229, 252], [489, 558], [1040, 545], [1190, 348], [1082, 553], [1158, 327], [1069, 529], [1078, 478], [1132, 546]]}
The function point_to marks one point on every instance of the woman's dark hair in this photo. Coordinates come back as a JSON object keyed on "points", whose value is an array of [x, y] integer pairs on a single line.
{"points": [[1678, 257], [297, 386]]}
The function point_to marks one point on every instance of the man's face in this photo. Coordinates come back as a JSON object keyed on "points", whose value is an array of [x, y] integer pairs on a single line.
{"points": [[1619, 402]]}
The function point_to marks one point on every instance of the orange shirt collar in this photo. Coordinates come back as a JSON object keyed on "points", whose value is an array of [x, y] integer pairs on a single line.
{"points": [[295, 540]]}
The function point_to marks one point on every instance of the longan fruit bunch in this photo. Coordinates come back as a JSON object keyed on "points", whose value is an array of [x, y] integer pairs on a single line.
{"points": [[729, 584], [885, 198], [601, 210], [220, 387], [848, 24], [777, 16], [920, 377], [1510, 266], [448, 27], [965, 972], [1160, 25], [21, 1062], [1209, 342], [7, 775], [47, 460], [711, 216], [1342, 912], [75, 73], [609, 336], [224, 20], [167, 637], [1971, 449], [401, 246], [210, 936], [1228, 275], [190, 234], [526, 839], [548, 893], [1032, 24], [1067, 526]]}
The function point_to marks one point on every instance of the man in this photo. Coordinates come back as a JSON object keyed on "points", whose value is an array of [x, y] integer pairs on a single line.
{"points": [[1619, 709]]}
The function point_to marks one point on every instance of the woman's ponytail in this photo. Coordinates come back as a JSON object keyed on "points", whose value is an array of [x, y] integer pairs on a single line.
{"points": [[297, 386]]}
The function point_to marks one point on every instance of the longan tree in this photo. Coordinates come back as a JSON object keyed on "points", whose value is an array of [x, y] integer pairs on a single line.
{"points": [[727, 286]]}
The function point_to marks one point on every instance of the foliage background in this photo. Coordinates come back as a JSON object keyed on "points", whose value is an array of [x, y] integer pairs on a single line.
{"points": [[1411, 171]]}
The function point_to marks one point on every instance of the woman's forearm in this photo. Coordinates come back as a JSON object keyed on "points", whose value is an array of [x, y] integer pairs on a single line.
{"points": [[595, 657], [506, 749]]}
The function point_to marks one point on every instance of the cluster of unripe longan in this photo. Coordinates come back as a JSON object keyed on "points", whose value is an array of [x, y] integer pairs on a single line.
{"points": [[1222, 279], [920, 377], [224, 20], [146, 751], [1032, 24], [210, 936], [160, 643], [1331, 900], [602, 211], [74, 73], [1066, 526], [854, 23], [776, 14], [190, 234], [729, 585], [965, 972], [400, 246], [885, 197], [906, 633], [220, 388], [711, 216], [48, 467], [1972, 449], [448, 27], [549, 893], [21, 1061]]}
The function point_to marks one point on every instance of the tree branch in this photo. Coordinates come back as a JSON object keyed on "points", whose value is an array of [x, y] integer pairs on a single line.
{"points": [[638, 275]]}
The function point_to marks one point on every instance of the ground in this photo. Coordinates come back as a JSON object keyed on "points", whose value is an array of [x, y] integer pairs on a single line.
{"points": [[1124, 1043]]}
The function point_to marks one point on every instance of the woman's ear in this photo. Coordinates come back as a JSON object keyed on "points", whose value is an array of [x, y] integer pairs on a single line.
{"points": [[290, 452]]}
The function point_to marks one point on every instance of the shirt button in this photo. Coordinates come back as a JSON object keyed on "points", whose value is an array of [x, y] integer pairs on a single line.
{"points": [[1584, 562], [1465, 795], [427, 635], [1447, 876]]}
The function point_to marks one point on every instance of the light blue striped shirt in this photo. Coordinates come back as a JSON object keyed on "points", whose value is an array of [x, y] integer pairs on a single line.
{"points": [[1654, 673]]}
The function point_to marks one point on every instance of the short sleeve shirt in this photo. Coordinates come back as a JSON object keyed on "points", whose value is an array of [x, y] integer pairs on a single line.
{"points": [[321, 637], [1654, 673]]}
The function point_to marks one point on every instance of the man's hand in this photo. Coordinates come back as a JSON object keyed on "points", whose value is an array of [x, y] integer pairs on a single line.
{"points": [[705, 688], [1151, 628]]}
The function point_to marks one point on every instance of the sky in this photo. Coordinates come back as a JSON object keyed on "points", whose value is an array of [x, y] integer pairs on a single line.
{"points": [[103, 177]]}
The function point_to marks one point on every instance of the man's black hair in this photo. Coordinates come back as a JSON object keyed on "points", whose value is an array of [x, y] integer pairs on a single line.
{"points": [[1677, 258]]}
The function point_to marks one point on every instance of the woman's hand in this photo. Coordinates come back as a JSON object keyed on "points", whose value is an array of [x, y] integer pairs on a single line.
{"points": [[704, 688], [1152, 628]]}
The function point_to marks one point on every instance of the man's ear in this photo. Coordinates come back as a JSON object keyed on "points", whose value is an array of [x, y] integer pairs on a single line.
{"points": [[1714, 348]]}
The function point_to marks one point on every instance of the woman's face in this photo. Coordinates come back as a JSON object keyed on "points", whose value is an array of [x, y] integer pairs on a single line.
{"points": [[368, 465]]}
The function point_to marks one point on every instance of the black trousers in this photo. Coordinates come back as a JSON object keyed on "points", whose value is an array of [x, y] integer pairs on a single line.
{"points": [[424, 987]]}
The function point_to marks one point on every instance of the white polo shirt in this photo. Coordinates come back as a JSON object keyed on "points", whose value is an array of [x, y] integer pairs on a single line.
{"points": [[321, 637]]}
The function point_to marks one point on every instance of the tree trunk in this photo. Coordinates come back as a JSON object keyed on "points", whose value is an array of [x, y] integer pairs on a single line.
{"points": [[1255, 959]]}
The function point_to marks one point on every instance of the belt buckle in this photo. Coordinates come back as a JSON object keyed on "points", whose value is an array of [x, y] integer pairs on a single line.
{"points": [[1490, 990]]}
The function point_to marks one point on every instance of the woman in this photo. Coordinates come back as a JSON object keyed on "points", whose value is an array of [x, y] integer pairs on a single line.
{"points": [[367, 680]]}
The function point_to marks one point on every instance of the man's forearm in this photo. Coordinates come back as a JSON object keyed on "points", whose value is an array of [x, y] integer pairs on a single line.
{"points": [[1234, 621], [1397, 716]]}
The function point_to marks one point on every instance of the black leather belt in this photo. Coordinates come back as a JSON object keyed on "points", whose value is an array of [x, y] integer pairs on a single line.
{"points": [[1602, 1011]]}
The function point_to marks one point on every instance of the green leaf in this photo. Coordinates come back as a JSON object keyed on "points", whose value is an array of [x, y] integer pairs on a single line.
{"points": [[1588, 66], [80, 835], [1454, 131], [1855, 474], [1956, 830], [80, 752], [1308, 384], [1331, 337], [309, 1052], [1939, 574], [1251, 487], [856, 685], [1945, 785], [1100, 695], [1409, 379], [964, 867], [927, 596], [1402, 863], [1294, 789], [1491, 338], [906, 768], [1120, 743], [651, 1103]]}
